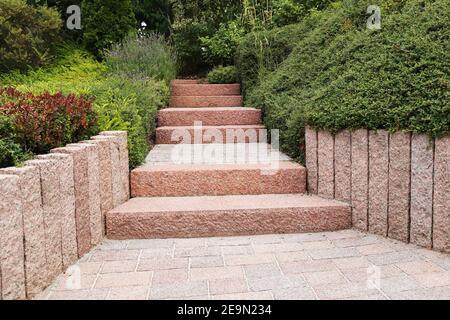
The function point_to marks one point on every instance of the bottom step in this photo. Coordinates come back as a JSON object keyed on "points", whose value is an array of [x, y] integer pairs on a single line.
{"points": [[186, 217]]}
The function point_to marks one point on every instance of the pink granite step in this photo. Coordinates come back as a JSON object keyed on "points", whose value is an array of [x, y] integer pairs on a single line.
{"points": [[184, 81], [205, 101], [174, 117], [174, 180], [211, 134], [146, 218], [206, 89]]}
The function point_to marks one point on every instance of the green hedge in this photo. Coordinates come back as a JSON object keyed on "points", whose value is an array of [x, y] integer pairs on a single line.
{"points": [[341, 75]]}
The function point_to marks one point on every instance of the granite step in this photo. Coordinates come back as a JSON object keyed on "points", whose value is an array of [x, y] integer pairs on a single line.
{"points": [[211, 134], [205, 101], [206, 89], [197, 179], [185, 217], [174, 117]]}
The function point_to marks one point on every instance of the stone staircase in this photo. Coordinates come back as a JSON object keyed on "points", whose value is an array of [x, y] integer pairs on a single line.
{"points": [[212, 173]]}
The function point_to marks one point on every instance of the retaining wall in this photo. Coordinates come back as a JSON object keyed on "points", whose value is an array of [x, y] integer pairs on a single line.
{"points": [[52, 210], [398, 183]]}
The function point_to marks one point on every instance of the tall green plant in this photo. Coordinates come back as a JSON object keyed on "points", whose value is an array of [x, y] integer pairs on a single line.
{"points": [[147, 56], [106, 23]]}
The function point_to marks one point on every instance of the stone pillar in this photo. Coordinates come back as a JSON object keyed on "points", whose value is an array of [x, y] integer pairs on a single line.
{"points": [[441, 201], [325, 153], [117, 194], [95, 213], [81, 183], [33, 228], [360, 172], [399, 185], [51, 204], [421, 190], [122, 137], [311, 159], [105, 177], [378, 181], [67, 209], [11, 239], [343, 166]]}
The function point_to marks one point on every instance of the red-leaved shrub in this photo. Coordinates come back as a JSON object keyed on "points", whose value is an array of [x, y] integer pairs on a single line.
{"points": [[45, 121]]}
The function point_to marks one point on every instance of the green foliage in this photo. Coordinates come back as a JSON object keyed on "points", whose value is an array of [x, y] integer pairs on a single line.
{"points": [[28, 35], [262, 53], [287, 12], [106, 24], [222, 74], [123, 104], [221, 47], [75, 71], [11, 152], [340, 75], [120, 103], [186, 38], [148, 56], [157, 15]]}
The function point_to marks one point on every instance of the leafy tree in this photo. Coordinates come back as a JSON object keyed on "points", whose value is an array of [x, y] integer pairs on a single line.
{"points": [[106, 22]]}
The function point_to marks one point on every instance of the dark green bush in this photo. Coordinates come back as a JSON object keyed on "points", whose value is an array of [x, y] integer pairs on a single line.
{"points": [[342, 75], [106, 23], [147, 56], [28, 35], [223, 75]]}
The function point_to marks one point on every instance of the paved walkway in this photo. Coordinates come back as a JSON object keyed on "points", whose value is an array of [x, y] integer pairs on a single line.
{"points": [[335, 265]]}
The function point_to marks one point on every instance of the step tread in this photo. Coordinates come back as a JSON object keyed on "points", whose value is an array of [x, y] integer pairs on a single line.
{"points": [[218, 203], [208, 109], [216, 167], [232, 126]]}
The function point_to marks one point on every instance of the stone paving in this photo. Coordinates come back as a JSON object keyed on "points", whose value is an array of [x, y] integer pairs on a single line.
{"points": [[333, 265]]}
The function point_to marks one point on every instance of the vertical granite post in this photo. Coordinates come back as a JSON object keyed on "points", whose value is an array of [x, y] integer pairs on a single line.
{"points": [[81, 182], [122, 137], [51, 204], [116, 184], [33, 227], [360, 172], [311, 159], [67, 209], [399, 185], [421, 190], [325, 155], [105, 177], [378, 181], [11, 239], [441, 201], [95, 213], [343, 166]]}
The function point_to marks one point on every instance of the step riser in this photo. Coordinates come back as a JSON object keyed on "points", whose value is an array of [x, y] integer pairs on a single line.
{"points": [[216, 182], [226, 223], [206, 90], [204, 102], [209, 117], [174, 136], [183, 81]]}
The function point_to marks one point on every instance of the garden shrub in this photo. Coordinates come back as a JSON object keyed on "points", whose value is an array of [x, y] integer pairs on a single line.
{"points": [[221, 47], [340, 75], [148, 56], [41, 122], [106, 23], [123, 104], [28, 35], [222, 74]]}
